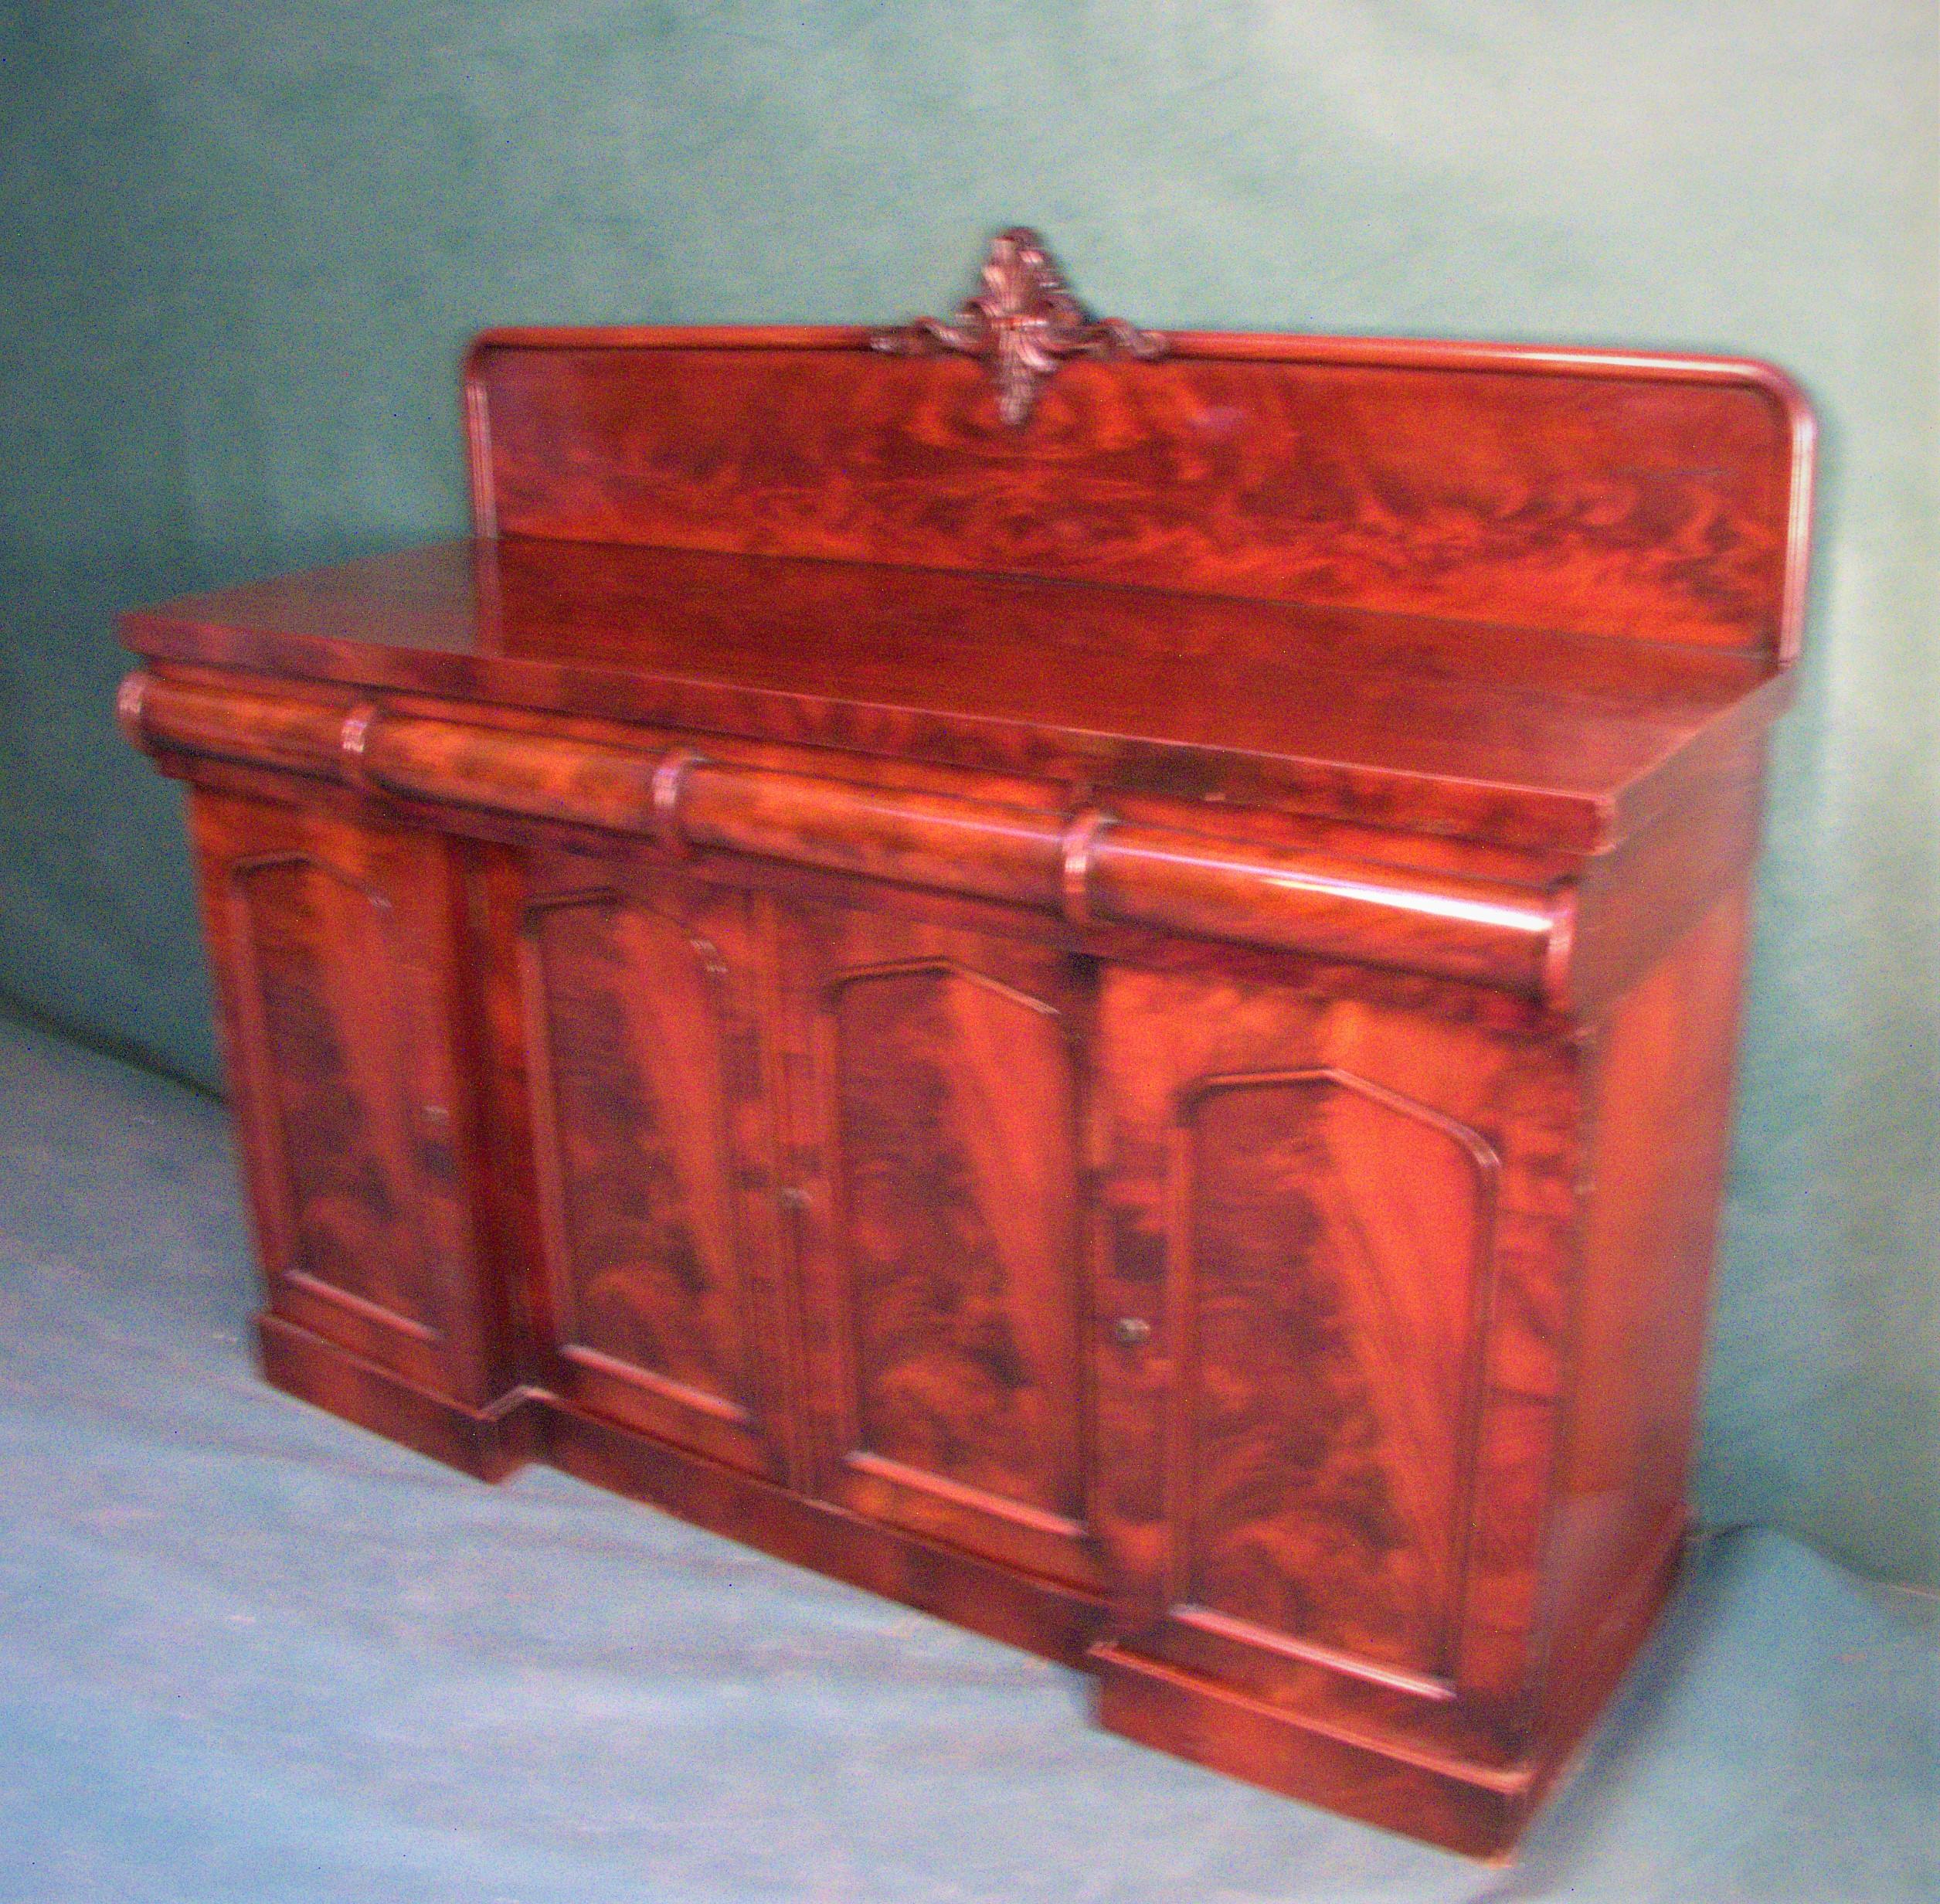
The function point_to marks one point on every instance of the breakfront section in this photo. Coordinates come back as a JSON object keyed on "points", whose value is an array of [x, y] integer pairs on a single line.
{"points": [[1334, 1241]]}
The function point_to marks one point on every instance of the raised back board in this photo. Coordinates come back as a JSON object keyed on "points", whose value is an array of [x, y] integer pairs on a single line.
{"points": [[1649, 499]]}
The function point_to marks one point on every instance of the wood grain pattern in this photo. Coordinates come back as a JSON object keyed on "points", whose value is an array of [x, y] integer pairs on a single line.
{"points": [[641, 1046], [1595, 495], [1455, 926], [951, 1212], [1297, 1179], [1115, 1021], [1007, 1602], [1335, 1238], [942, 1273], [1528, 736], [335, 960], [1663, 1060], [1459, 1804], [317, 946]]}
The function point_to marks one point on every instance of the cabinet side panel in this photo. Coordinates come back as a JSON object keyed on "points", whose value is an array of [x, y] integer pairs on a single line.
{"points": [[1660, 1094]]}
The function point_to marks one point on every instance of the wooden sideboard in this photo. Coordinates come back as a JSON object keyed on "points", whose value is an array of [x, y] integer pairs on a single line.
{"points": [[1086, 977]]}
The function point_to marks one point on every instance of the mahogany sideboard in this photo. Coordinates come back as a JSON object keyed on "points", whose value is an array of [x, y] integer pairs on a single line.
{"points": [[1087, 977]]}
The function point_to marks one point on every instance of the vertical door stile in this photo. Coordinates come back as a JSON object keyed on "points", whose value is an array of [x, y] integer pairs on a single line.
{"points": [[788, 1173]]}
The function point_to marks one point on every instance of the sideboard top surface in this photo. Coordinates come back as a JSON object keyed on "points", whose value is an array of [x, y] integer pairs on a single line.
{"points": [[1503, 733]]}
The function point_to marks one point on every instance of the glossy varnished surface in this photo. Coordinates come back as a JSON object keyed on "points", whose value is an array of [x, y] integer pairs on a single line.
{"points": [[1335, 1234], [1339, 1218], [1008, 843], [644, 1072], [1574, 490], [1114, 1019], [936, 1094], [686, 1667], [335, 948], [1515, 732], [316, 943]]}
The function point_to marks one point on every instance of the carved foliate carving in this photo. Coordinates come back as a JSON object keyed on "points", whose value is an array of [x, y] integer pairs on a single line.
{"points": [[1022, 324]]}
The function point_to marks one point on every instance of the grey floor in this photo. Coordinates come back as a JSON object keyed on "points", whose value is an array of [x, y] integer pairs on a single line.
{"points": [[247, 1651]]}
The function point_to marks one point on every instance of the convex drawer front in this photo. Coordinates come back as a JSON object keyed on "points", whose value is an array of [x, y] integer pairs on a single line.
{"points": [[1089, 866]]}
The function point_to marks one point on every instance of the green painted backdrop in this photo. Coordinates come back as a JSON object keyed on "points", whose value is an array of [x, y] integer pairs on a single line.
{"points": [[242, 247]]}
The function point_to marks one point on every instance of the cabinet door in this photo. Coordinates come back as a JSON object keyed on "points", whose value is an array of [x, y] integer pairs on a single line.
{"points": [[335, 946], [657, 1207], [934, 1091], [1310, 1205]]}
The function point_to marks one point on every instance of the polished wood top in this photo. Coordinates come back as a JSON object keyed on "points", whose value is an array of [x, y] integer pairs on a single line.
{"points": [[1524, 736]]}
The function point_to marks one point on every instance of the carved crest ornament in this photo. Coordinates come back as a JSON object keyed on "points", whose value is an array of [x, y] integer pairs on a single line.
{"points": [[1022, 324]]}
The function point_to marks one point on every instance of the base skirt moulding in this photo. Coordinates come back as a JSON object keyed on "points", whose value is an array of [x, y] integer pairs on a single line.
{"points": [[1038, 1616], [1475, 1809]]}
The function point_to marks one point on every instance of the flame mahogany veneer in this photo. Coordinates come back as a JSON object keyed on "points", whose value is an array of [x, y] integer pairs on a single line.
{"points": [[1118, 1025]]}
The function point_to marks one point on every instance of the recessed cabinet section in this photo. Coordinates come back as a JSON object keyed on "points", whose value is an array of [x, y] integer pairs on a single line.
{"points": [[1304, 1198], [334, 948], [653, 1149], [934, 1085]]}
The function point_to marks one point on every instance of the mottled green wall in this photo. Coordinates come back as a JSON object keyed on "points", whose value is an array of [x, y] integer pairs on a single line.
{"points": [[243, 246]]}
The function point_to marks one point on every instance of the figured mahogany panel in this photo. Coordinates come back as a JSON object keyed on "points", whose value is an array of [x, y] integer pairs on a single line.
{"points": [[642, 1047], [1336, 1236], [943, 1283], [318, 947], [335, 950], [1516, 734], [1638, 498], [955, 1221], [1333, 1239]]}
